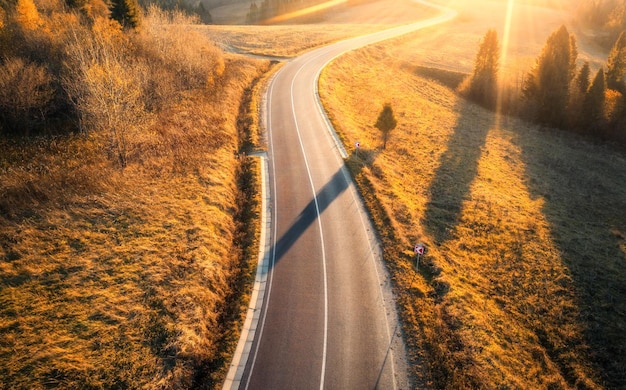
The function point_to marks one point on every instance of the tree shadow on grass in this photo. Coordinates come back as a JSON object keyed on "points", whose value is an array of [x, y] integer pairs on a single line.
{"points": [[457, 169], [584, 192]]}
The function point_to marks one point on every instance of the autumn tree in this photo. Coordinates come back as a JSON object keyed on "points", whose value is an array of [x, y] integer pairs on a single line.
{"points": [[581, 82], [616, 65], [594, 118], [386, 122], [27, 15], [102, 83], [546, 89], [483, 83], [578, 90]]}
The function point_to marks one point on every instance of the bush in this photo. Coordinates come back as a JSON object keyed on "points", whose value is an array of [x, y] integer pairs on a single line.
{"points": [[25, 95], [194, 62], [105, 85]]}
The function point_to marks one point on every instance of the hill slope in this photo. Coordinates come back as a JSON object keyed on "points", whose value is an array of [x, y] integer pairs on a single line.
{"points": [[522, 286]]}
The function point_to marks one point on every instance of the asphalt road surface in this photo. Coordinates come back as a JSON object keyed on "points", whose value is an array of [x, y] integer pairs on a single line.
{"points": [[327, 319]]}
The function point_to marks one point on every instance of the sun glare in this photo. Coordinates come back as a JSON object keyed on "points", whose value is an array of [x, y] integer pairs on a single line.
{"points": [[503, 55], [305, 11]]}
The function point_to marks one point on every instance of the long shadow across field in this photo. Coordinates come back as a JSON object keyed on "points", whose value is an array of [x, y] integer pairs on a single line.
{"points": [[457, 169], [584, 191]]}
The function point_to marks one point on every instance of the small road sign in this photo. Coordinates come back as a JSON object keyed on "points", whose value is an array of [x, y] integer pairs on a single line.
{"points": [[358, 145], [419, 249]]}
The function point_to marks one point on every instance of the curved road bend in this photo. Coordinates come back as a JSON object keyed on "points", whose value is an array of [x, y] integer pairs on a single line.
{"points": [[328, 318]]}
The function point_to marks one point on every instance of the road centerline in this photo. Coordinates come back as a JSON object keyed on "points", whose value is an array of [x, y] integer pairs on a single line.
{"points": [[319, 223], [273, 370]]}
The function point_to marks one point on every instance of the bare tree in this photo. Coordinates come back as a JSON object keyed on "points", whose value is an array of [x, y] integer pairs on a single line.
{"points": [[104, 86]]}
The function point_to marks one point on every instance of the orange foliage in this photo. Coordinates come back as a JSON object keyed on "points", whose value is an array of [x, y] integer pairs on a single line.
{"points": [[96, 9], [612, 103], [108, 32], [27, 15]]}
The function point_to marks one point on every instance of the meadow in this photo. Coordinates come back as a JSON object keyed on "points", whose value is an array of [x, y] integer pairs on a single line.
{"points": [[124, 264], [523, 282]]}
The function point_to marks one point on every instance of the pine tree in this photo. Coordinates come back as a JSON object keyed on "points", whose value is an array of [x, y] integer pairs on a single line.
{"points": [[547, 86], [580, 86], [593, 104], [483, 85], [126, 12], [253, 14], [616, 65], [205, 15], [386, 122], [582, 79], [573, 56]]}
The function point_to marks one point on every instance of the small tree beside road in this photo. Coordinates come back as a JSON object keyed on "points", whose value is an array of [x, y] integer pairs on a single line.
{"points": [[386, 122]]}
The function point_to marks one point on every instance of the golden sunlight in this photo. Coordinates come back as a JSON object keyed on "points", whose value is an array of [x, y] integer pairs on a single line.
{"points": [[503, 56], [305, 11]]}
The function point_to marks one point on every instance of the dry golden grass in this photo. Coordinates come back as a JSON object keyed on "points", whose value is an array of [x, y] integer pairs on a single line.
{"points": [[113, 278], [294, 37], [523, 284], [279, 41], [132, 277]]}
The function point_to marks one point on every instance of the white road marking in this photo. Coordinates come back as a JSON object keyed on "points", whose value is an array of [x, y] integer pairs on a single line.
{"points": [[319, 224], [268, 288], [447, 14]]}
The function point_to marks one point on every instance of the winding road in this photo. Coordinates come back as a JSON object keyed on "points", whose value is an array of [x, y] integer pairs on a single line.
{"points": [[322, 315]]}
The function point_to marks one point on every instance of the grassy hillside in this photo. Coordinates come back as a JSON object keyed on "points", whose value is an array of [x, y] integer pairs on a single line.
{"points": [[122, 248], [523, 283], [295, 36]]}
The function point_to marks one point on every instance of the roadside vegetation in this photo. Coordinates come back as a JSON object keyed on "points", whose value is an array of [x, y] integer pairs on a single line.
{"points": [[128, 210], [522, 285], [125, 203]]}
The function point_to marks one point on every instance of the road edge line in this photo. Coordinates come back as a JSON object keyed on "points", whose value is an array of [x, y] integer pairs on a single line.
{"points": [[244, 345]]}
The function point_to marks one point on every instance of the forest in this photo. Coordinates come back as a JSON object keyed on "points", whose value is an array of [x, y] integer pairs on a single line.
{"points": [[557, 92]]}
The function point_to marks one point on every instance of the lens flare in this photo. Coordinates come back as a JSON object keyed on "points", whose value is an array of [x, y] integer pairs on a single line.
{"points": [[302, 12], [503, 56]]}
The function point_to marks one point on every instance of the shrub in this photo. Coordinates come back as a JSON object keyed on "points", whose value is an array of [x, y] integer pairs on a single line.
{"points": [[25, 94], [194, 61], [104, 84]]}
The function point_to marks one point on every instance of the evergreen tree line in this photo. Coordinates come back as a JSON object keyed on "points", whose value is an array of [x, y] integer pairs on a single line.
{"points": [[191, 8], [272, 8], [557, 92]]}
